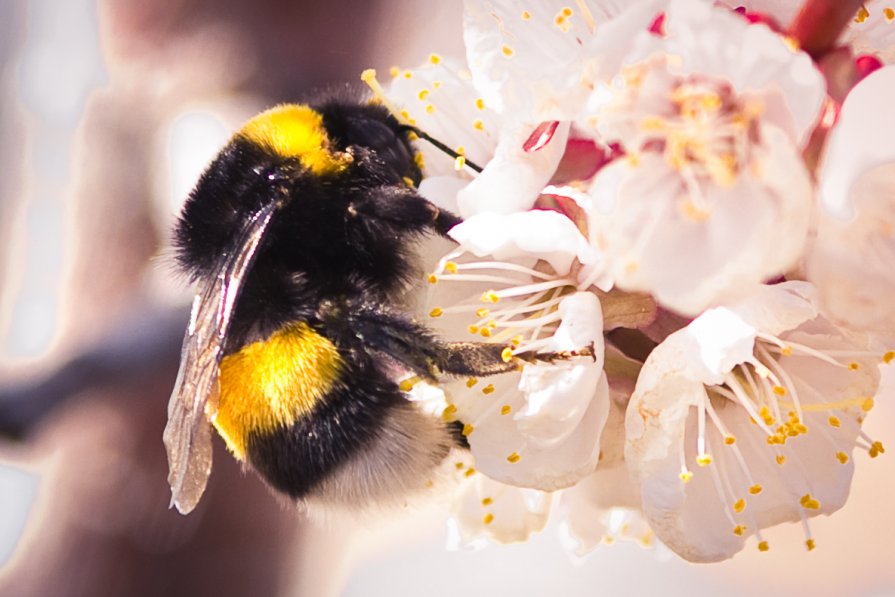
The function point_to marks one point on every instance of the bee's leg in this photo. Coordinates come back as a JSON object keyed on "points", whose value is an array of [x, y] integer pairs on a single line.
{"points": [[402, 206], [419, 350]]}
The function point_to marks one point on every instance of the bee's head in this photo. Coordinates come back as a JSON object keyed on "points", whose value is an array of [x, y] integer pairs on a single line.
{"points": [[371, 126]]}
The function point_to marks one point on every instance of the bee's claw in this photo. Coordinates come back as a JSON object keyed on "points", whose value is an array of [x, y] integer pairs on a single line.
{"points": [[559, 355]]}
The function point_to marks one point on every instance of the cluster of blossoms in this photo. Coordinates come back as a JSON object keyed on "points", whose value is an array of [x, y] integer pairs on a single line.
{"points": [[677, 184]]}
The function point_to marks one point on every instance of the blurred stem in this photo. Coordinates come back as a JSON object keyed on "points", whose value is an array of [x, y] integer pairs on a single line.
{"points": [[820, 22]]}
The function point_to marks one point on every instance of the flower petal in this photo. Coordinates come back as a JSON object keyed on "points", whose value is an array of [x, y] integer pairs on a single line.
{"points": [[514, 178]]}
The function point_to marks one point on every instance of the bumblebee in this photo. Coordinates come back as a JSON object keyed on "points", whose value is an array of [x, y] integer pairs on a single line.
{"points": [[299, 239]]}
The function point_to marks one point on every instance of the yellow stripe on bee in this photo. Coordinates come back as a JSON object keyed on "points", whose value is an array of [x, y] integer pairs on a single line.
{"points": [[270, 384], [295, 131]]}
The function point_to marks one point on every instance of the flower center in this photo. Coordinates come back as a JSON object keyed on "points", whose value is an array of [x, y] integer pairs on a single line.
{"points": [[518, 304], [703, 129]]}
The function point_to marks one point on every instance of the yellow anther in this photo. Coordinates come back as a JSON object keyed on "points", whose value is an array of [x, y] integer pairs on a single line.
{"points": [[780, 459], [408, 181], [686, 476], [482, 312], [862, 15], [436, 84], [487, 501], [809, 503], [809, 544], [853, 366], [485, 332], [459, 162], [408, 74], [704, 459], [450, 267], [765, 413], [739, 530], [513, 458], [505, 409], [842, 457], [394, 71], [430, 108], [867, 405], [889, 357], [459, 466], [432, 278], [526, 16], [786, 351], [507, 51], [478, 124], [834, 421], [490, 296], [730, 440], [516, 340], [467, 429], [448, 413], [489, 389], [436, 312], [876, 448], [567, 11], [763, 546], [506, 355], [652, 123], [480, 103], [780, 390], [407, 384], [469, 472], [471, 382], [473, 329], [889, 14], [434, 58], [423, 94], [755, 489], [739, 505]]}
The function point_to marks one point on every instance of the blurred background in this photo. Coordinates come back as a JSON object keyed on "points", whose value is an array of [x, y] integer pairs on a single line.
{"points": [[110, 109]]}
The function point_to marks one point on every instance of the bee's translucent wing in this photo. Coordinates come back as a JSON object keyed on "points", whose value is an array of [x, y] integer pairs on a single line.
{"points": [[188, 432]]}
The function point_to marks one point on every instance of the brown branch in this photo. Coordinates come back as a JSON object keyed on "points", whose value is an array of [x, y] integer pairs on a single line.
{"points": [[820, 22]]}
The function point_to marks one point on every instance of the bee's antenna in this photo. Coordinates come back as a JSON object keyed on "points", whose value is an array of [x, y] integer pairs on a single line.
{"points": [[369, 77], [457, 156]]}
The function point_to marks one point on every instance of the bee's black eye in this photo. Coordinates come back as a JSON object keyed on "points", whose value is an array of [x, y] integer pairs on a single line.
{"points": [[373, 128]]}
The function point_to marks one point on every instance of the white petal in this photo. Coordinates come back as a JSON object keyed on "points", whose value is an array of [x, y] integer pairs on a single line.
{"points": [[695, 253], [874, 34], [440, 99], [497, 440], [855, 246], [860, 141], [531, 235], [443, 190], [557, 395], [713, 42], [514, 178], [488, 509], [525, 66]]}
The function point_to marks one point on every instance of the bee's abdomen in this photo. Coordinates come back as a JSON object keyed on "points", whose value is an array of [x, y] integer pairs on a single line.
{"points": [[364, 442], [269, 384]]}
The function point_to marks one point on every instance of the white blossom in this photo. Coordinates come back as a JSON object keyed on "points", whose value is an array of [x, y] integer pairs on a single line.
{"points": [[712, 196], [851, 258], [746, 418]]}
